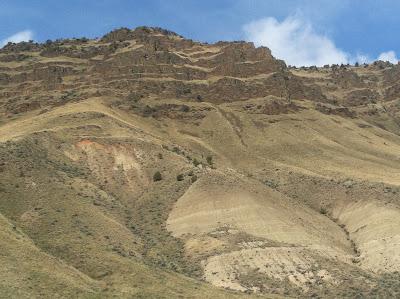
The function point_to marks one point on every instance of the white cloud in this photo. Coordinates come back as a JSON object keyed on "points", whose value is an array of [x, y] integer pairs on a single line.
{"points": [[362, 58], [295, 41], [21, 36], [388, 56]]}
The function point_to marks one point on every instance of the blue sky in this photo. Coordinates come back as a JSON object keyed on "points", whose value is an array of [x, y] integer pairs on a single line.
{"points": [[301, 32]]}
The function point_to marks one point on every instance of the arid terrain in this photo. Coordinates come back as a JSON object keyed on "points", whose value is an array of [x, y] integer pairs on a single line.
{"points": [[145, 165]]}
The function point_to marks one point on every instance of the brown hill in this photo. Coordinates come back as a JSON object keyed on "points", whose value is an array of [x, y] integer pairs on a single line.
{"points": [[146, 165]]}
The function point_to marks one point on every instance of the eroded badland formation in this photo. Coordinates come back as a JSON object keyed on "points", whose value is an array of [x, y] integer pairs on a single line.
{"points": [[146, 165]]}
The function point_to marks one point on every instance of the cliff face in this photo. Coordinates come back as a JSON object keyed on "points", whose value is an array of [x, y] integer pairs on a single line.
{"points": [[272, 179], [161, 63]]}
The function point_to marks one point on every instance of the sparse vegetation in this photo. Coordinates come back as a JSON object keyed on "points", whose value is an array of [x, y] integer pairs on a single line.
{"points": [[81, 124]]}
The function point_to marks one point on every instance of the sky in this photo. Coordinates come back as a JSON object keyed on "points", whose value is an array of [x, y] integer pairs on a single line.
{"points": [[302, 32]]}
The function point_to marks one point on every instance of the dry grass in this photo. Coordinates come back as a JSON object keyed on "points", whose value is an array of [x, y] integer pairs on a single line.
{"points": [[258, 197]]}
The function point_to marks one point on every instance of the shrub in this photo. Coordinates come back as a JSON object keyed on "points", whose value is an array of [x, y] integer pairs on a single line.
{"points": [[160, 156], [134, 97], [176, 149], [185, 108], [157, 176], [209, 160], [179, 177], [195, 162], [194, 178]]}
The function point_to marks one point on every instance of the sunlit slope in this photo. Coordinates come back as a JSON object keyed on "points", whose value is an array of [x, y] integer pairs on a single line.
{"points": [[77, 198]]}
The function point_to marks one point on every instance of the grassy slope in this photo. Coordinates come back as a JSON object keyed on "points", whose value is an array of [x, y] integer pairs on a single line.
{"points": [[112, 214], [77, 217]]}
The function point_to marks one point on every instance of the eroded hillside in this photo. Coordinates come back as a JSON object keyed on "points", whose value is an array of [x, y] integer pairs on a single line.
{"points": [[273, 181]]}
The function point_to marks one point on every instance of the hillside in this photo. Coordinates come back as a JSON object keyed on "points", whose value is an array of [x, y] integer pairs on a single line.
{"points": [[274, 181]]}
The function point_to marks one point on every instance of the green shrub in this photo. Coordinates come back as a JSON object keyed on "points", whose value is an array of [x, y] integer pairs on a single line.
{"points": [[185, 108], [179, 177], [194, 178], [157, 176], [209, 160], [176, 149], [195, 162]]}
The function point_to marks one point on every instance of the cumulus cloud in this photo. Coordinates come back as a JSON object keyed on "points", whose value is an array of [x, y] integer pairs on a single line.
{"points": [[21, 36], [295, 41], [388, 56]]}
